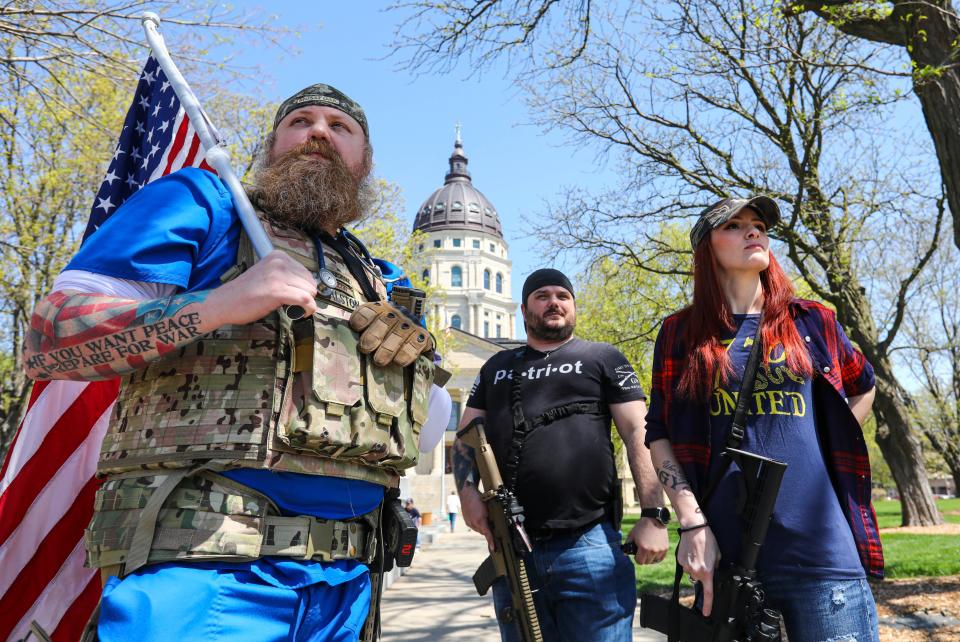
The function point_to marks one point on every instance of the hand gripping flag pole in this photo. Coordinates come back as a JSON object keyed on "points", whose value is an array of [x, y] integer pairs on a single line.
{"points": [[217, 156]]}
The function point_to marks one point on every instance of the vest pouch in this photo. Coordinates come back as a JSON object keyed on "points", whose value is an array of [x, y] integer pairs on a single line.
{"points": [[193, 524], [420, 394], [327, 393], [387, 413]]}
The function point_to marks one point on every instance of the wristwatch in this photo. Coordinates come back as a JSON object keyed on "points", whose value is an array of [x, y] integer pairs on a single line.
{"points": [[660, 513]]}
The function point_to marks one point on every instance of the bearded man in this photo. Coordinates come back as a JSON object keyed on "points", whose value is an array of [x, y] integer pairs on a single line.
{"points": [[248, 454], [547, 409]]}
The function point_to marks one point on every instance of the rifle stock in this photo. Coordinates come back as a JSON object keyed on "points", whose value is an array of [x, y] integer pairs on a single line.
{"points": [[510, 538]]}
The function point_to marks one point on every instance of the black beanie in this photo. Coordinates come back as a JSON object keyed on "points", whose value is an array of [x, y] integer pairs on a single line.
{"points": [[543, 277]]}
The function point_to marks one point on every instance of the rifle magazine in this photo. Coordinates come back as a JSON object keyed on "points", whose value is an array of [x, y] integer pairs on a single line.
{"points": [[531, 624]]}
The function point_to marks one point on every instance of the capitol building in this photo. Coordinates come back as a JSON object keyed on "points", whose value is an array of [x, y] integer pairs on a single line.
{"points": [[468, 256]]}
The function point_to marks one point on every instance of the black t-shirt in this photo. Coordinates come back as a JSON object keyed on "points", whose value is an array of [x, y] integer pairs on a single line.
{"points": [[566, 470]]}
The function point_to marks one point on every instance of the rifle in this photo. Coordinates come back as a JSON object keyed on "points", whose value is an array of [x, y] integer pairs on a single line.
{"points": [[739, 614], [510, 539]]}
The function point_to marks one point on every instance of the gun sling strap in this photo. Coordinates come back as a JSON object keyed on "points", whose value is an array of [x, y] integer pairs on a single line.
{"points": [[523, 427], [734, 438]]}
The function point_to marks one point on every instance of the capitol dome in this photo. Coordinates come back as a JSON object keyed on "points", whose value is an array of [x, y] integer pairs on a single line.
{"points": [[458, 205]]}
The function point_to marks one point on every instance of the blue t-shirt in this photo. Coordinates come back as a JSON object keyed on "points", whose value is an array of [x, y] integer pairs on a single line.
{"points": [[183, 230], [808, 535]]}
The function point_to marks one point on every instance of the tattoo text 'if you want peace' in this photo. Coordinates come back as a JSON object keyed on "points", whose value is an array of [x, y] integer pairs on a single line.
{"points": [[120, 345]]}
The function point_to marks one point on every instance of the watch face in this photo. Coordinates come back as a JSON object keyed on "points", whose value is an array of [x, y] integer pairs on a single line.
{"points": [[661, 514]]}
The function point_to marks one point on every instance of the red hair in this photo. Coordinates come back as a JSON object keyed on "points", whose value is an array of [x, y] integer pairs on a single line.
{"points": [[709, 317]]}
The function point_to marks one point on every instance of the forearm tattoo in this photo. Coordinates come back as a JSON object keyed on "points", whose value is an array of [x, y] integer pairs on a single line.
{"points": [[464, 465], [671, 477], [97, 336]]}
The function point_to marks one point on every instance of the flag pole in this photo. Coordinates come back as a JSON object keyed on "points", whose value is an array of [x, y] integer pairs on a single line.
{"points": [[216, 155]]}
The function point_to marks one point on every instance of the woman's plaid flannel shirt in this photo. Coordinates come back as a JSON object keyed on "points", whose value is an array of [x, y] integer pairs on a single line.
{"points": [[841, 371]]}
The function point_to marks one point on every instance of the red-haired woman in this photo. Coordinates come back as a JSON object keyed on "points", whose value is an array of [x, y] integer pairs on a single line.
{"points": [[812, 392]]}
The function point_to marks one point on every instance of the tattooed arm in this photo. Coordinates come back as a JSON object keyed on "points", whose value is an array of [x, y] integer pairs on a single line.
{"points": [[697, 551], [648, 534], [76, 335], [465, 475]]}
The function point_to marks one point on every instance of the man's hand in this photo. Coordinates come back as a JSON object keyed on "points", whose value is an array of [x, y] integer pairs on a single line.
{"points": [[475, 512], [699, 555], [650, 538], [389, 334], [275, 280]]}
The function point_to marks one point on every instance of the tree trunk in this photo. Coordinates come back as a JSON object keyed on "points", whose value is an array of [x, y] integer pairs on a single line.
{"points": [[933, 35], [896, 437], [901, 449]]}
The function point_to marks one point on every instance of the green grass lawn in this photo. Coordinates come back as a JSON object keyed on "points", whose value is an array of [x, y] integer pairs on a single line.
{"points": [[906, 555]]}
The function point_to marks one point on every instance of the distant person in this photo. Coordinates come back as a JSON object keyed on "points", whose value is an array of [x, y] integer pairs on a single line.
{"points": [[811, 393], [413, 512], [453, 507], [548, 407]]}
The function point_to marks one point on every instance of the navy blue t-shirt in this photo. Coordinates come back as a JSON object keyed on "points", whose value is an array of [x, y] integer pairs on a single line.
{"points": [[808, 535]]}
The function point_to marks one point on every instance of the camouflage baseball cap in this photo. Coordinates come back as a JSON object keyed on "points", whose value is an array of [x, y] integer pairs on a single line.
{"points": [[324, 96], [722, 211]]}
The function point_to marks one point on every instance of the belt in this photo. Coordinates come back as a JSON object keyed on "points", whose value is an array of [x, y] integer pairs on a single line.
{"points": [[543, 534], [311, 538]]}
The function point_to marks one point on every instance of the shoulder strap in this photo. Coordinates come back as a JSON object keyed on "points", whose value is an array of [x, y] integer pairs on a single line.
{"points": [[343, 245], [739, 424], [520, 428]]}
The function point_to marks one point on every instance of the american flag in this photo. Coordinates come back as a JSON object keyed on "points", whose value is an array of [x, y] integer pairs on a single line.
{"points": [[47, 482]]}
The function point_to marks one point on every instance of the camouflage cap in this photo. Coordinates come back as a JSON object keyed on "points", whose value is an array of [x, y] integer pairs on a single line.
{"points": [[324, 96], [722, 211]]}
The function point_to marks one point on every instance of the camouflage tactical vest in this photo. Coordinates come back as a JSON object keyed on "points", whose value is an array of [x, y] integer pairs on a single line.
{"points": [[273, 395]]}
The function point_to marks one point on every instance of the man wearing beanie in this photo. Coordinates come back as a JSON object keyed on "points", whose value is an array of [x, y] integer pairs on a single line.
{"points": [[249, 454], [565, 474]]}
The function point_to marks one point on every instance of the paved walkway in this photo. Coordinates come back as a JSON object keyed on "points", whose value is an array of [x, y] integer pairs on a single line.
{"points": [[435, 598]]}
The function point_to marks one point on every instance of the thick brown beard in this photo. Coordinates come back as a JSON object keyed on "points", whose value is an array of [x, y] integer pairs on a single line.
{"points": [[538, 329], [313, 195]]}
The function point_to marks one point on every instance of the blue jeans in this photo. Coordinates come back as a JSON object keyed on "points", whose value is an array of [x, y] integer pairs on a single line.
{"points": [[819, 610], [585, 589]]}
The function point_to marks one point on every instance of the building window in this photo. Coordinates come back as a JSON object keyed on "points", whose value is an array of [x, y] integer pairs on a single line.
{"points": [[456, 242], [437, 242], [457, 206], [498, 330], [426, 276], [456, 276], [476, 244], [473, 207], [493, 248], [454, 416], [486, 279], [438, 207], [486, 328], [456, 322], [499, 283]]}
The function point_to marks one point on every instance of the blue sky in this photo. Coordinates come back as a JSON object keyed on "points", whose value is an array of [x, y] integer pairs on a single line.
{"points": [[412, 119]]}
